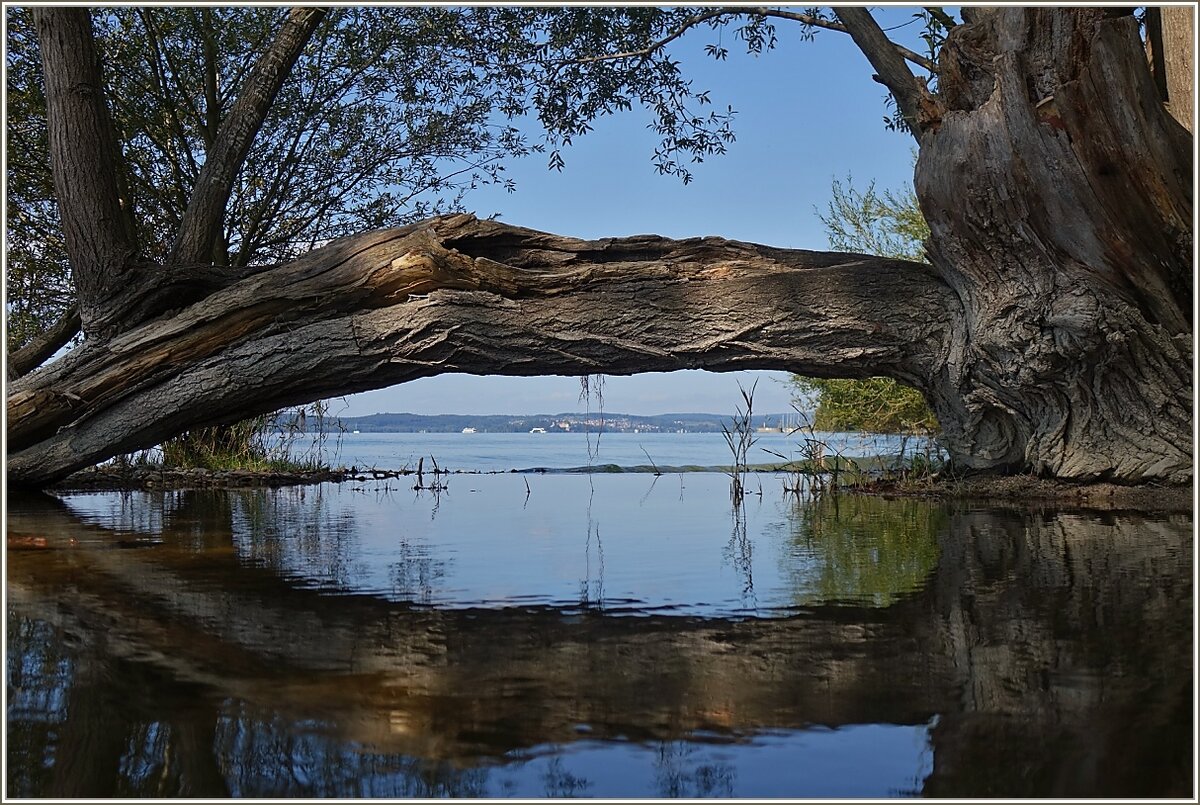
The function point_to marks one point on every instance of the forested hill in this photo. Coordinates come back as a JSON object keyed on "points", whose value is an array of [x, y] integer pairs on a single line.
{"points": [[555, 423]]}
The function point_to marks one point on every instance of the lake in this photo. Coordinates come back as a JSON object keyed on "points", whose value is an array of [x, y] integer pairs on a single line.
{"points": [[503, 452], [615, 635]]}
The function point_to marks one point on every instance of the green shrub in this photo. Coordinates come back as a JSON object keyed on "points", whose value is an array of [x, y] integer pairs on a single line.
{"points": [[875, 405]]}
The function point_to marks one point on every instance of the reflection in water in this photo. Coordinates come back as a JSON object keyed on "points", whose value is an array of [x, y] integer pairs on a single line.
{"points": [[591, 589], [865, 550], [306, 643], [739, 553], [680, 776]]}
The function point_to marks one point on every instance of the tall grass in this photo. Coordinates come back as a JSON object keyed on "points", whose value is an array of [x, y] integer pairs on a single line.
{"points": [[821, 468], [266, 443], [740, 438]]}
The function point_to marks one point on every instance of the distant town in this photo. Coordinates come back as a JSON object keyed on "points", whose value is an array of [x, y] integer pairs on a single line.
{"points": [[558, 423]]}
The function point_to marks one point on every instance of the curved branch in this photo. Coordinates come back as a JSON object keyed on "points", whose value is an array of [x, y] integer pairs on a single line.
{"points": [[206, 209], [831, 25], [456, 294], [29, 357], [759, 11]]}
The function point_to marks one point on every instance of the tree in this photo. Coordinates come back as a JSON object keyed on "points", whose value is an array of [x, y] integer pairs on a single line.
{"points": [[370, 129], [1051, 331]]}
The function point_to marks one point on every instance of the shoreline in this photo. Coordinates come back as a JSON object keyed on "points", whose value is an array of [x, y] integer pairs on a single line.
{"points": [[1028, 492], [1023, 491]]}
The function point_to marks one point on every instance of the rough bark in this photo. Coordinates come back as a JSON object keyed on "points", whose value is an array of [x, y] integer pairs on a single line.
{"points": [[1059, 197], [461, 295], [29, 357], [85, 162], [1179, 61]]}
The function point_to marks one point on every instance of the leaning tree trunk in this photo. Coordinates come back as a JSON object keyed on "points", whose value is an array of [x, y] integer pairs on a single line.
{"points": [[456, 294], [1052, 334]]}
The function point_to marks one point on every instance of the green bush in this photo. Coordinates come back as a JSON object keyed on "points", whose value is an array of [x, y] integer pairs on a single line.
{"points": [[875, 405]]}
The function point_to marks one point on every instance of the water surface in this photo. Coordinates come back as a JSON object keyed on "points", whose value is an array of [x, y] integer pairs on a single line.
{"points": [[503, 452], [611, 635]]}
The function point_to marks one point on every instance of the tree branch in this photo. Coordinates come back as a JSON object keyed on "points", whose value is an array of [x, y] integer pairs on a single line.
{"points": [[651, 49], [456, 294], [760, 11], [891, 71], [205, 212], [38, 351], [830, 25]]}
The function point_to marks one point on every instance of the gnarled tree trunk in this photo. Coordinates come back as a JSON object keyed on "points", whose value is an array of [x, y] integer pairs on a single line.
{"points": [[1059, 197], [1052, 334]]}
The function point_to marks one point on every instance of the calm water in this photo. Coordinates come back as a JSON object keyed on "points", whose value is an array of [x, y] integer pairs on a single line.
{"points": [[502, 452], [611, 635]]}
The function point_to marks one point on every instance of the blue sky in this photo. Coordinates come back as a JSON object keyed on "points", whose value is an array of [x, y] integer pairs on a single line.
{"points": [[807, 113]]}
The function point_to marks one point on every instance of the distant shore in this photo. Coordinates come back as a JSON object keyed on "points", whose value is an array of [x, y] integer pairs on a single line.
{"points": [[576, 422]]}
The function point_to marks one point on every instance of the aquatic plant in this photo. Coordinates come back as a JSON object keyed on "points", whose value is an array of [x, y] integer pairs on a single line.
{"points": [[740, 438]]}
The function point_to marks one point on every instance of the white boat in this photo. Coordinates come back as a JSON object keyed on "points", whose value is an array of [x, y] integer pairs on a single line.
{"points": [[469, 430], [537, 430]]}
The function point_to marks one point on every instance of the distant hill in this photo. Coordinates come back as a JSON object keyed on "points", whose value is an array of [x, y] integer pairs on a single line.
{"points": [[552, 423]]}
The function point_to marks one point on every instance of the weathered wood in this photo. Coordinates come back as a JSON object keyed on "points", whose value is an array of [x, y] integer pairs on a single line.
{"points": [[42, 348], [456, 294], [1052, 334], [1060, 207], [1179, 61]]}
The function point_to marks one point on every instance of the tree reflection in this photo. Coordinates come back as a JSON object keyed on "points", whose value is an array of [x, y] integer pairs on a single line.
{"points": [[415, 573], [861, 549], [297, 528], [40, 672], [562, 784], [680, 776]]}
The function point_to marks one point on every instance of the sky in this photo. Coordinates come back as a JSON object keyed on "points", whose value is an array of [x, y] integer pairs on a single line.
{"points": [[807, 113]]}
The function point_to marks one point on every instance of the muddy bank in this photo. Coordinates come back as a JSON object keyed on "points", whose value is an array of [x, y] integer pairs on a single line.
{"points": [[1026, 491]]}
